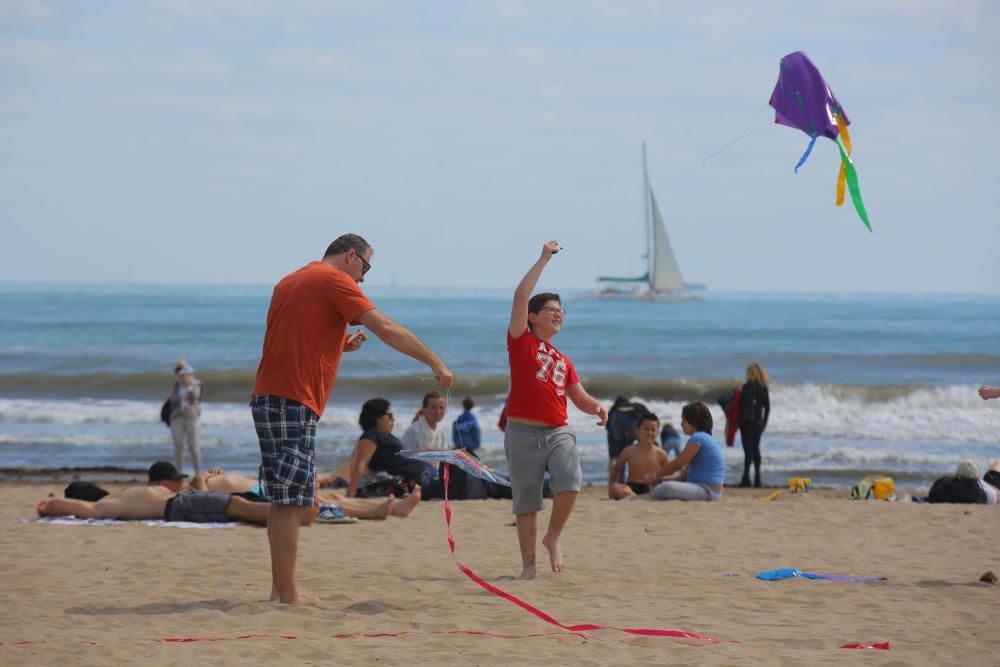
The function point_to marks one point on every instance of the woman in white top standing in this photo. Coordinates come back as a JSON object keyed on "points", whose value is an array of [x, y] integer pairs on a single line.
{"points": [[185, 408], [427, 431]]}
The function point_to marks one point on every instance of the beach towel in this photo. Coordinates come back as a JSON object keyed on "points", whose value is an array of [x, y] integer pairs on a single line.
{"points": [[74, 521]]}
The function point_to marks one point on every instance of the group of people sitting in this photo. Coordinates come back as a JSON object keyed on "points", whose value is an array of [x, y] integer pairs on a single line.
{"points": [[695, 472], [218, 496]]}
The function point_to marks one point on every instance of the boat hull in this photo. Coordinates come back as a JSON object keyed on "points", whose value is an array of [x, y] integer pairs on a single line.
{"points": [[640, 294]]}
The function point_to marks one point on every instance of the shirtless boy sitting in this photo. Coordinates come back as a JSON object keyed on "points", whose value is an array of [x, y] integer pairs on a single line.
{"points": [[644, 459]]}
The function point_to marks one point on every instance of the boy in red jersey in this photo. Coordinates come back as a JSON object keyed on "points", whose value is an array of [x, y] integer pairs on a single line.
{"points": [[537, 437]]}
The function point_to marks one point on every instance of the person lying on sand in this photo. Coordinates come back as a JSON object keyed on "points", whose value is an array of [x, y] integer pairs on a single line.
{"points": [[165, 501], [644, 459], [217, 479]]}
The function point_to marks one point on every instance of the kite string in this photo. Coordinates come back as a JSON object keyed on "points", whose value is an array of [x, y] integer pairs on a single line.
{"points": [[743, 135], [393, 368], [422, 379]]}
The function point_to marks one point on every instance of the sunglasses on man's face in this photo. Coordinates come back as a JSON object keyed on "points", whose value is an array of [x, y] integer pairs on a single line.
{"points": [[365, 266]]}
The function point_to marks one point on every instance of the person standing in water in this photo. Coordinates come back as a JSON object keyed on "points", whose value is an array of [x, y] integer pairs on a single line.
{"points": [[537, 437]]}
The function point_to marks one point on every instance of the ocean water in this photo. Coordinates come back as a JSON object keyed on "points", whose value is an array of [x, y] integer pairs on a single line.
{"points": [[860, 383]]}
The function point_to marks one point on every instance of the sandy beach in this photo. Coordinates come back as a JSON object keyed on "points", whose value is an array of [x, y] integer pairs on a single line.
{"points": [[108, 595]]}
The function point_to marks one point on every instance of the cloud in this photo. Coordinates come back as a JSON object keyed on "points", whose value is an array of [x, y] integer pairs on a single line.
{"points": [[30, 11]]}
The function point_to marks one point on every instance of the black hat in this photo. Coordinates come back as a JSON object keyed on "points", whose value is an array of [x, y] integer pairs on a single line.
{"points": [[164, 470]]}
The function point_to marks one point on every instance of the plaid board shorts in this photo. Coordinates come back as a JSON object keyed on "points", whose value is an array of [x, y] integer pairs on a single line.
{"points": [[286, 430]]}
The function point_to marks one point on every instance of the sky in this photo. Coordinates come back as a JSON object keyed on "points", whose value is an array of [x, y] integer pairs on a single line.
{"points": [[229, 141]]}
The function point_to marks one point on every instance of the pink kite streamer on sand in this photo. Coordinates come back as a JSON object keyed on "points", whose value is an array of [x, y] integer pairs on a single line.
{"points": [[580, 627]]}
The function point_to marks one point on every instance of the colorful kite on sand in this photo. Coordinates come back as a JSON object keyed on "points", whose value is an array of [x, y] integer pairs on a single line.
{"points": [[802, 99], [461, 459]]}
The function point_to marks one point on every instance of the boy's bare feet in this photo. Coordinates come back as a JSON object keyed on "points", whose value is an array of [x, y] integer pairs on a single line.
{"points": [[555, 553], [403, 507], [527, 570]]}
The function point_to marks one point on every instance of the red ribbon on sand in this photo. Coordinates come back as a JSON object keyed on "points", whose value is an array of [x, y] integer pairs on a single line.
{"points": [[576, 629]]}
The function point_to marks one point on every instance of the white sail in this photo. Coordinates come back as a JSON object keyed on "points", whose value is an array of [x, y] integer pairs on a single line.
{"points": [[664, 274], [663, 277]]}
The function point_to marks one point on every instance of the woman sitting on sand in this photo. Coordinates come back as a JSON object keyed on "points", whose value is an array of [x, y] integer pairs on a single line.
{"points": [[700, 471], [378, 449]]}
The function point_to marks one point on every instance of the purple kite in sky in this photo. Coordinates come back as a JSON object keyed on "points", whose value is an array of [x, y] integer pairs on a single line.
{"points": [[802, 99]]}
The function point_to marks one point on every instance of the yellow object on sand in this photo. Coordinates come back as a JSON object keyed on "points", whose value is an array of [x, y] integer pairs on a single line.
{"points": [[772, 495], [797, 484]]}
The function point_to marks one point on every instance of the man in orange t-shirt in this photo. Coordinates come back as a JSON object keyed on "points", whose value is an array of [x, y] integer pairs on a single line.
{"points": [[305, 338]]}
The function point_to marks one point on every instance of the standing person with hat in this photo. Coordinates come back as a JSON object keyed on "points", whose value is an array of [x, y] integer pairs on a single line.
{"points": [[185, 409], [306, 335]]}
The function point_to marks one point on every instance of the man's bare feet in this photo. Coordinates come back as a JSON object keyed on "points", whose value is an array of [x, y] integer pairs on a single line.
{"points": [[555, 553], [403, 507], [527, 574], [298, 598]]}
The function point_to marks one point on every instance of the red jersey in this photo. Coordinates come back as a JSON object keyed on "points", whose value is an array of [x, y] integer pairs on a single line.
{"points": [[539, 375], [306, 327]]}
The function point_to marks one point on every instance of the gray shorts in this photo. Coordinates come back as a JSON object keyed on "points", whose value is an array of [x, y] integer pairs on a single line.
{"points": [[530, 451], [197, 507]]}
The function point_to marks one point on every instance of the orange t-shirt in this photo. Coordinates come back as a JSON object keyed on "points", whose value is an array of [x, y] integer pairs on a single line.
{"points": [[306, 330]]}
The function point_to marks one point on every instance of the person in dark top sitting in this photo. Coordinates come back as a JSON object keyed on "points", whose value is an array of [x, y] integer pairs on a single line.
{"points": [[378, 449], [755, 408], [670, 440]]}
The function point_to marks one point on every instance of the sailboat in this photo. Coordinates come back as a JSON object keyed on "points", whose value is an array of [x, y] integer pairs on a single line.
{"points": [[663, 280]]}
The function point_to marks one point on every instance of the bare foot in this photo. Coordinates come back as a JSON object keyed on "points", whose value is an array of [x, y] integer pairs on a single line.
{"points": [[555, 553], [306, 598], [527, 570], [405, 506], [298, 598], [386, 508], [41, 507]]}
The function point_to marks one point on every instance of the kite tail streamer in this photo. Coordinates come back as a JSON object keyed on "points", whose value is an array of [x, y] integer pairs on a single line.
{"points": [[577, 629], [846, 138], [805, 156], [852, 184]]}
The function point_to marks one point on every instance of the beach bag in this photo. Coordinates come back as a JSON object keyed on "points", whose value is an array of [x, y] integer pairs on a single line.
{"points": [[80, 490], [964, 490], [165, 412], [878, 487], [382, 484], [463, 486]]}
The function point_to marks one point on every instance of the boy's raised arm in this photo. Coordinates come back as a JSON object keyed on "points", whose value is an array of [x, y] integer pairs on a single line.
{"points": [[519, 309]]}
